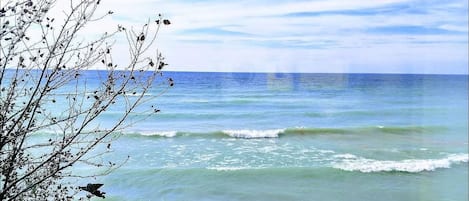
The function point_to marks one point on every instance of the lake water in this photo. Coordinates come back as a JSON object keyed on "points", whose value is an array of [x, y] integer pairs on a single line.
{"points": [[258, 136]]}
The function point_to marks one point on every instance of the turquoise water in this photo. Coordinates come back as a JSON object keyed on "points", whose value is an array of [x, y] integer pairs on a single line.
{"points": [[254, 136]]}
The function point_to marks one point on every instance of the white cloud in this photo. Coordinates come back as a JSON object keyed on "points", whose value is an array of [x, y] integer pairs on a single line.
{"points": [[415, 36]]}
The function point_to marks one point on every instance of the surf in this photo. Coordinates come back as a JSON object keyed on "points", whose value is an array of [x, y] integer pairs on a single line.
{"points": [[286, 132], [351, 162]]}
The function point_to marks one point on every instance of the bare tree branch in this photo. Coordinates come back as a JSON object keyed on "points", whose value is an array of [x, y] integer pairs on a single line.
{"points": [[42, 65]]}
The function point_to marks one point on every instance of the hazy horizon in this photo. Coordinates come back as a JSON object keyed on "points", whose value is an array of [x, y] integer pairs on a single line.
{"points": [[284, 72]]}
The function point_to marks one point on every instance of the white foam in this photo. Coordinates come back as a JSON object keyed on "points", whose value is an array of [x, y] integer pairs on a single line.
{"points": [[233, 168], [345, 156], [326, 151], [410, 165], [254, 133], [159, 133], [227, 168]]}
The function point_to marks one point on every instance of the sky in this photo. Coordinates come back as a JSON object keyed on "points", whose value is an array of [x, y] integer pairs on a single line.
{"points": [[326, 36]]}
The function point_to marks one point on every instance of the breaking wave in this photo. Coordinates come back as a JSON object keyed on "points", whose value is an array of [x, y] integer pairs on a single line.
{"points": [[254, 133], [353, 163], [156, 133], [275, 133]]}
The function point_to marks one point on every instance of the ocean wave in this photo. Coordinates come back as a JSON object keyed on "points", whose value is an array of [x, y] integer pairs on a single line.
{"points": [[367, 129], [345, 156], [254, 133], [230, 168], [155, 133], [353, 163], [281, 132]]}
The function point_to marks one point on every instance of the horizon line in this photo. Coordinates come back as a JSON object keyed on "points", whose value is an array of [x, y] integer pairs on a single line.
{"points": [[285, 72]]}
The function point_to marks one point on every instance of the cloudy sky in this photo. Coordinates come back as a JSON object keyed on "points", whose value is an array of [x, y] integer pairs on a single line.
{"points": [[346, 36]]}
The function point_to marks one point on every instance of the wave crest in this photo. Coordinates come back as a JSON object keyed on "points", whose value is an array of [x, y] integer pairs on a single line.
{"points": [[229, 168], [295, 131], [159, 133], [411, 165], [254, 133]]}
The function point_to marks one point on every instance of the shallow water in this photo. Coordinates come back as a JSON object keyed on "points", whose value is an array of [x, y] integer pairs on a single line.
{"points": [[247, 136]]}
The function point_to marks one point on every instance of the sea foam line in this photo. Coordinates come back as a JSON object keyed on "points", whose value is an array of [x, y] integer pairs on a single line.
{"points": [[360, 164], [254, 133], [230, 168], [159, 133], [275, 133]]}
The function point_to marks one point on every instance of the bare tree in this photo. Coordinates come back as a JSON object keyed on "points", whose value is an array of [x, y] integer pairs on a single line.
{"points": [[43, 61]]}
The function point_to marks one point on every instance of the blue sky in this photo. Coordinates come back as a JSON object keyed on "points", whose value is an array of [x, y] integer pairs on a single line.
{"points": [[352, 36]]}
